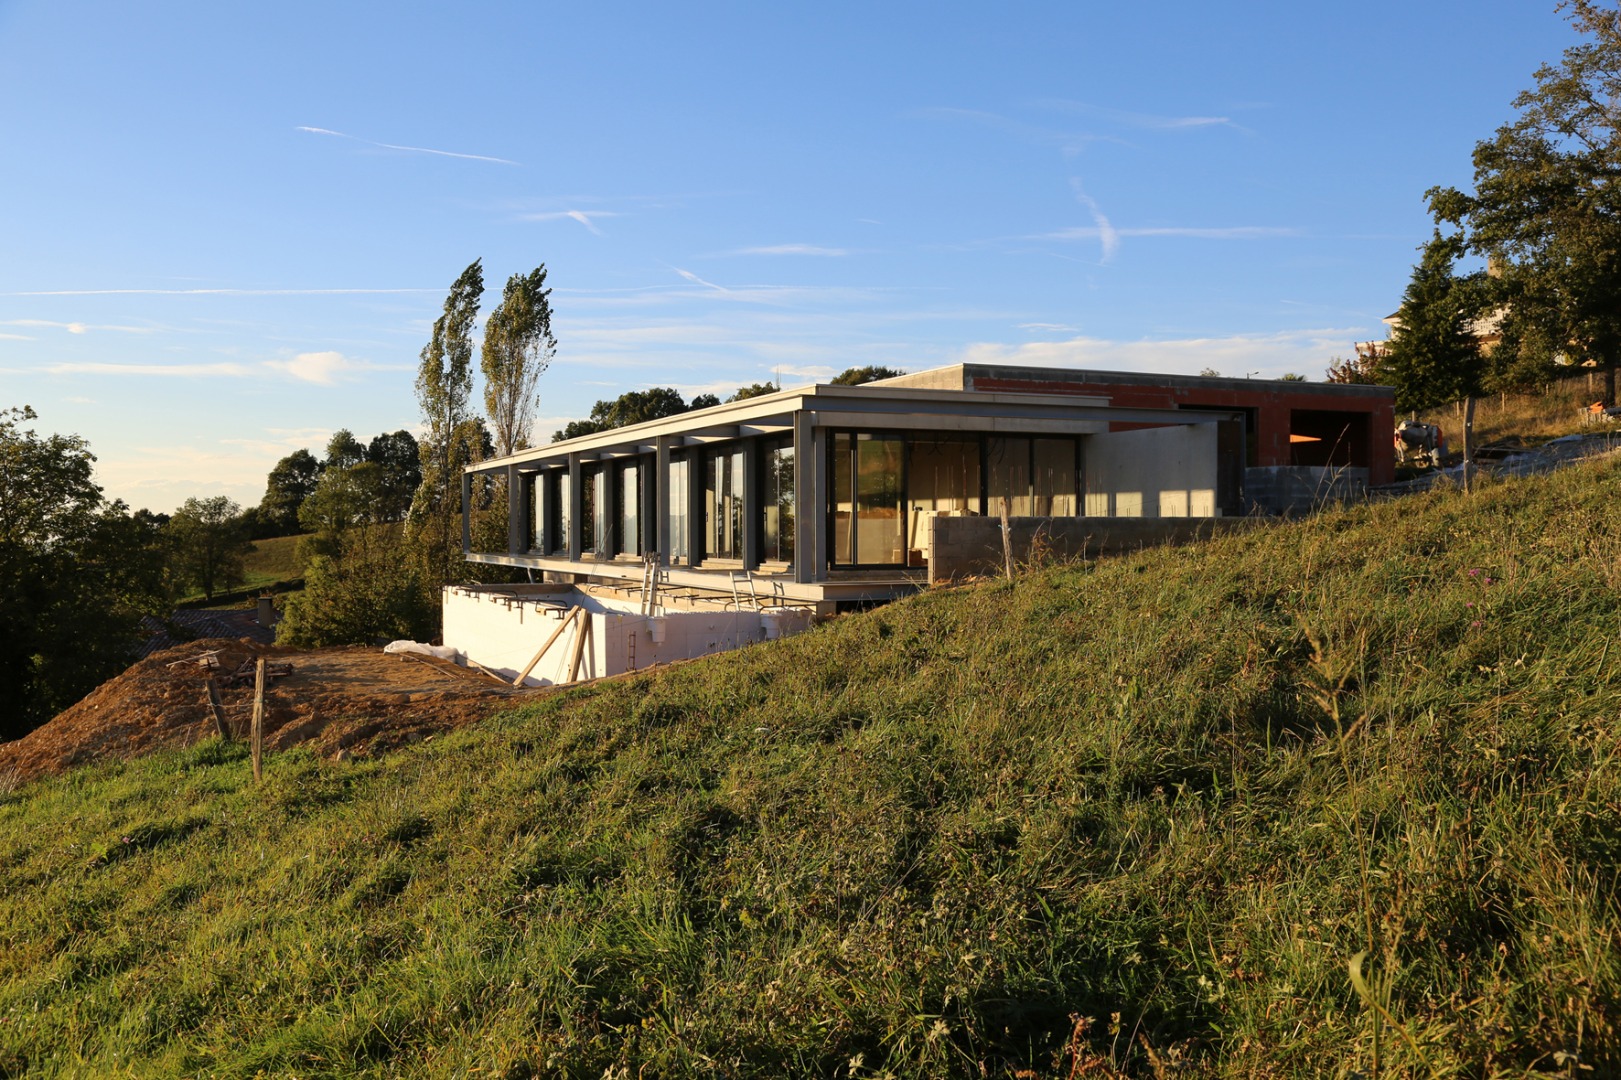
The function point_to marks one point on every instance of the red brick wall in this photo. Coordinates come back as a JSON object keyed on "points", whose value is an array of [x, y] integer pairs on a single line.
{"points": [[1273, 404]]}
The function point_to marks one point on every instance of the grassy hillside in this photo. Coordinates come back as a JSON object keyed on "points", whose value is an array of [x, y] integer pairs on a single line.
{"points": [[1138, 818], [1532, 417], [272, 562]]}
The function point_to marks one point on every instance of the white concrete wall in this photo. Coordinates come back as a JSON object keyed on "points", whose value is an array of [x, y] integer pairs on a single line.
{"points": [[1154, 472], [502, 633]]}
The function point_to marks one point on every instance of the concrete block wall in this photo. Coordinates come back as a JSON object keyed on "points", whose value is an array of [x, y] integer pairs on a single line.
{"points": [[502, 632], [1300, 489], [972, 546]]}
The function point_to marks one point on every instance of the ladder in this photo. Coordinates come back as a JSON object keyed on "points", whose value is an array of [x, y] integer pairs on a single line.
{"points": [[737, 596], [652, 576]]}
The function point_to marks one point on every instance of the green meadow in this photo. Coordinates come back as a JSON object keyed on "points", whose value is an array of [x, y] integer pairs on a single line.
{"points": [[1331, 798]]}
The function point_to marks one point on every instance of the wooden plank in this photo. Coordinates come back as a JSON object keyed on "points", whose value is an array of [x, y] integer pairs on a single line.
{"points": [[218, 710], [258, 719], [562, 624], [579, 645]]}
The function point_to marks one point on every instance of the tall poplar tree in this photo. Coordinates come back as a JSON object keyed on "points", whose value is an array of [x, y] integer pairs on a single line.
{"points": [[518, 347], [1547, 204], [444, 386]]}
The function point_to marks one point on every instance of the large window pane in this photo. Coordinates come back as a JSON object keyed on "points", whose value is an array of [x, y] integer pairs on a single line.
{"points": [[942, 480], [1007, 467], [878, 501], [869, 529], [843, 513], [630, 509], [536, 483], [724, 505], [778, 501], [1052, 477], [559, 490], [677, 510]]}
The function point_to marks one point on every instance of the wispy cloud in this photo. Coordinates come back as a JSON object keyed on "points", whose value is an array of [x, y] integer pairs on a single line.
{"points": [[1148, 121], [696, 280], [1106, 233], [584, 217], [1304, 351], [792, 249], [217, 292], [406, 149], [74, 327], [1235, 232], [182, 371], [321, 368]]}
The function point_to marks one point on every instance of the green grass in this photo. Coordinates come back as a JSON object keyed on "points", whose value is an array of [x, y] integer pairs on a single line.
{"points": [[271, 563], [1128, 818]]}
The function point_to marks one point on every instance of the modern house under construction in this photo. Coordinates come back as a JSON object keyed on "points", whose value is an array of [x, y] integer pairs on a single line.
{"points": [[833, 496]]}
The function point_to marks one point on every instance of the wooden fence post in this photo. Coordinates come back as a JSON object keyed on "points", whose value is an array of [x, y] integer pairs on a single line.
{"points": [[258, 719], [218, 710]]}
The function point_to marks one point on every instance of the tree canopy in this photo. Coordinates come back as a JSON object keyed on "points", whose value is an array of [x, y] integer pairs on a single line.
{"points": [[855, 376], [518, 347], [1546, 207], [76, 574], [209, 545], [634, 407], [1434, 357], [444, 385], [286, 488]]}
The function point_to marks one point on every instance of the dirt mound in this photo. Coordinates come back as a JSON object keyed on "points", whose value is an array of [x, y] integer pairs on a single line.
{"points": [[357, 700]]}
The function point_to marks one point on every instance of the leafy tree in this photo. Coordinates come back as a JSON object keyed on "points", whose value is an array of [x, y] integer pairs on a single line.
{"points": [[1359, 370], [399, 458], [1291, 376], [340, 511], [703, 401], [344, 450], [857, 375], [1433, 357], [208, 544], [758, 389], [76, 575], [634, 407], [286, 488], [1546, 207], [518, 347], [444, 384], [373, 597]]}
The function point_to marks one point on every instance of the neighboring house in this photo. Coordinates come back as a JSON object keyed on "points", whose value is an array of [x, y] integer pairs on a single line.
{"points": [[833, 495]]}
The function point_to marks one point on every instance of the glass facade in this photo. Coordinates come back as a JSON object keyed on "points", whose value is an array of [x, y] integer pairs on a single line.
{"points": [[868, 519], [596, 509], [884, 491], [777, 501], [557, 490], [1037, 477], [680, 500], [724, 504], [536, 485], [629, 496]]}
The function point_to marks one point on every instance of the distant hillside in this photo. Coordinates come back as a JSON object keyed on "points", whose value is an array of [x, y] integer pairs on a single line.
{"points": [[273, 564], [1142, 818]]}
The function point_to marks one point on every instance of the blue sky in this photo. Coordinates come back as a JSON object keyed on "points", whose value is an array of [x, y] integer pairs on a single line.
{"points": [[225, 230]]}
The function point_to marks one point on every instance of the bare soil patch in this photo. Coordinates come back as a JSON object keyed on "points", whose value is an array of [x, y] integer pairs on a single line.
{"points": [[355, 700]]}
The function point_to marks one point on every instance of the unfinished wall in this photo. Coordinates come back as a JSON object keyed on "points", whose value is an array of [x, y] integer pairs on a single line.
{"points": [[972, 546], [1300, 489], [1165, 472], [502, 631]]}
